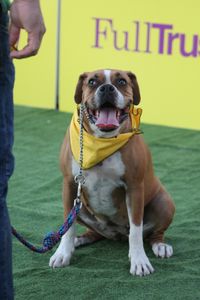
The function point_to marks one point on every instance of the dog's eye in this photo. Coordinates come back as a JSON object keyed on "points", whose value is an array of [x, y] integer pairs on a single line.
{"points": [[92, 82], [121, 81]]}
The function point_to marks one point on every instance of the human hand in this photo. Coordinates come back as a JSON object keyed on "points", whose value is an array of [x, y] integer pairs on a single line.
{"points": [[26, 14]]}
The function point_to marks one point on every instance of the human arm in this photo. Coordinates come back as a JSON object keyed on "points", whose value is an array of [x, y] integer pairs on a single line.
{"points": [[26, 14]]}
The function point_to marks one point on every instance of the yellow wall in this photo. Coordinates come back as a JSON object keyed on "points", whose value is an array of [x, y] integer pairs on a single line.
{"points": [[168, 82], [35, 77]]}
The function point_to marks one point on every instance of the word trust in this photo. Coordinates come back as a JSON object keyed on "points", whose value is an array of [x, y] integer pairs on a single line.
{"points": [[144, 37]]}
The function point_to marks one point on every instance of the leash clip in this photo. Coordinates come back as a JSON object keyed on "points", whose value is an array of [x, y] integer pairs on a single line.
{"points": [[77, 201], [79, 190], [79, 179]]}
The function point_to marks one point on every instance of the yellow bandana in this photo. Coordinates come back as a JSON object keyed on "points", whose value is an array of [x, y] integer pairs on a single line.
{"points": [[96, 149]]}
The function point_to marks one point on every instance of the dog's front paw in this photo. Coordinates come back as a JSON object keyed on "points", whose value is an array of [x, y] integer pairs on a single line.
{"points": [[162, 250], [61, 258], [140, 264]]}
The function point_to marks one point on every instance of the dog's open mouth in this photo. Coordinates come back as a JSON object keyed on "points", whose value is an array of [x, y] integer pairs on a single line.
{"points": [[108, 118]]}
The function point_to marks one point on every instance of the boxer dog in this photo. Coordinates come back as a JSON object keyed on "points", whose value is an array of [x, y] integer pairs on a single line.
{"points": [[122, 198]]}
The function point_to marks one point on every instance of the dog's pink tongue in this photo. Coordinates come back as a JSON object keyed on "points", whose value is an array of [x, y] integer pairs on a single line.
{"points": [[107, 119]]}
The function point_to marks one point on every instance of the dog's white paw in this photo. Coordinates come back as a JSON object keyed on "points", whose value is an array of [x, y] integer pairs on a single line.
{"points": [[140, 264], [60, 258], [162, 250]]}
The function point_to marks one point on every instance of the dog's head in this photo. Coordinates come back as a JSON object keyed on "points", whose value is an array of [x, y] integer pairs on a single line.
{"points": [[107, 95]]}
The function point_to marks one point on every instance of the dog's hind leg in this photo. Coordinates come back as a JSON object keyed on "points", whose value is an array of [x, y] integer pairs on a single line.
{"points": [[87, 238], [159, 213], [97, 229]]}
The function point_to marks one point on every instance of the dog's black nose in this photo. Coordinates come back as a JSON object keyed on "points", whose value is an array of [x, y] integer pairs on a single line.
{"points": [[107, 89]]}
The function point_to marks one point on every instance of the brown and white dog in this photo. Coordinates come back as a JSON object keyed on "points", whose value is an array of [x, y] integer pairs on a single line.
{"points": [[121, 197]]}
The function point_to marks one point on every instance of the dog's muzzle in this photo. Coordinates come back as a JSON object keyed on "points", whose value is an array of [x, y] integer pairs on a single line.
{"points": [[107, 96], [107, 116]]}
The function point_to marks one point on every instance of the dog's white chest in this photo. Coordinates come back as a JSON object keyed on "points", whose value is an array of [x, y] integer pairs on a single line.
{"points": [[101, 180]]}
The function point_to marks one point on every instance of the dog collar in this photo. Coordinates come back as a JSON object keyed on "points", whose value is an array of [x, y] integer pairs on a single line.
{"points": [[96, 149]]}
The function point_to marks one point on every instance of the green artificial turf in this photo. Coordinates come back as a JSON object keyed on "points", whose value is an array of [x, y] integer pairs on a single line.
{"points": [[101, 270]]}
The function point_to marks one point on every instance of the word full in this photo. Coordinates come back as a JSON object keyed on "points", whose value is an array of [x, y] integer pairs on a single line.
{"points": [[145, 37]]}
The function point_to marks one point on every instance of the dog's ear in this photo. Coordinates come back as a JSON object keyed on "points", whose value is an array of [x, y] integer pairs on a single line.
{"points": [[135, 87], [79, 88]]}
